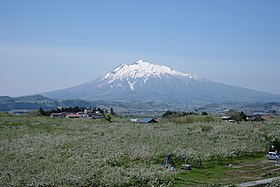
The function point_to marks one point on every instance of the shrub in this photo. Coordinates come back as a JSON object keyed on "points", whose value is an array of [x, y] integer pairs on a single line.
{"points": [[108, 117], [206, 128]]}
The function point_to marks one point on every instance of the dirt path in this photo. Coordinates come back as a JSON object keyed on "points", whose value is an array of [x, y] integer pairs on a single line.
{"points": [[259, 182], [256, 171]]}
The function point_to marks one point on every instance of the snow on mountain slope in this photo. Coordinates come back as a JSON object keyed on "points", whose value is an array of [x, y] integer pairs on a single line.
{"points": [[140, 73], [144, 70]]}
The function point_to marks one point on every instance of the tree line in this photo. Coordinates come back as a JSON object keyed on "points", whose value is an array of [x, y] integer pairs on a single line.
{"points": [[174, 114], [74, 110], [64, 109]]}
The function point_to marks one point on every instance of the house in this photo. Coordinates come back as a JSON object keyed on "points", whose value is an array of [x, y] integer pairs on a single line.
{"points": [[133, 120], [88, 112], [63, 114], [226, 118], [83, 115], [80, 113], [59, 115], [72, 116], [254, 117], [267, 117], [56, 115], [97, 115], [94, 114], [148, 120]]}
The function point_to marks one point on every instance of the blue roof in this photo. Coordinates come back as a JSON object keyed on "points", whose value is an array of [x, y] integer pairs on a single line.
{"points": [[147, 120]]}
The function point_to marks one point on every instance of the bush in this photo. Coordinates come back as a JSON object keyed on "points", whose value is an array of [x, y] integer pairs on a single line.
{"points": [[206, 128], [194, 119], [108, 117], [275, 145]]}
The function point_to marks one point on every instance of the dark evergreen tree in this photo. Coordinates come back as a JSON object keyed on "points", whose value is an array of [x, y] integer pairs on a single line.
{"points": [[204, 113], [112, 111], [275, 145], [243, 116], [42, 112]]}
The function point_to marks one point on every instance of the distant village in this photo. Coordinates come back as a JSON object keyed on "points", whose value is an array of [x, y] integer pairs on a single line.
{"points": [[90, 113], [257, 117], [78, 112], [86, 113], [98, 113], [254, 114]]}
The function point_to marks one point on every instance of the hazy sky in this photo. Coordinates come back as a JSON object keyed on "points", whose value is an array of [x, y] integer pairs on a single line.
{"points": [[54, 44]]}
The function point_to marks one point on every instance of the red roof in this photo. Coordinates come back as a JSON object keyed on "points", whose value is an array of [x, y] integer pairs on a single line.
{"points": [[267, 117], [73, 115]]}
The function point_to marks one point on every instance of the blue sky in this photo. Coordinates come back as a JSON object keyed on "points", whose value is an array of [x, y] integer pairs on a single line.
{"points": [[54, 44]]}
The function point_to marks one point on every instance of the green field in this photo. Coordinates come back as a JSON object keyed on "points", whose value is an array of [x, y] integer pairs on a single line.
{"points": [[41, 151]]}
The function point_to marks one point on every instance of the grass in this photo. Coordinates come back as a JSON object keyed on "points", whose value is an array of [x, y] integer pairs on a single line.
{"points": [[241, 170], [201, 177]]}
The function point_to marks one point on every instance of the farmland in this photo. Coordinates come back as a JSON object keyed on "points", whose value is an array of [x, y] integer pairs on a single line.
{"points": [[41, 151]]}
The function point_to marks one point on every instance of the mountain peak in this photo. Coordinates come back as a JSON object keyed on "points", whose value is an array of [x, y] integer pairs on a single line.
{"points": [[141, 61], [144, 69]]}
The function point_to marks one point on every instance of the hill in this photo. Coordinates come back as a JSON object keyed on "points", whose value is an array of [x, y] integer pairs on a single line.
{"points": [[38, 101]]}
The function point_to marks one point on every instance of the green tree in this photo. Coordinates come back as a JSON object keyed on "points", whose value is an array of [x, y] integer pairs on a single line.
{"points": [[42, 112], [108, 117], [237, 116]]}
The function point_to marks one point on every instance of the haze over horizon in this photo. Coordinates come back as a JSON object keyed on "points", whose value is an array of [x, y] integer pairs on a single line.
{"points": [[50, 45]]}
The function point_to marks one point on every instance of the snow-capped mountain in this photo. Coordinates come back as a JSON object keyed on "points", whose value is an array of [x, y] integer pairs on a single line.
{"points": [[138, 74], [143, 81], [144, 70]]}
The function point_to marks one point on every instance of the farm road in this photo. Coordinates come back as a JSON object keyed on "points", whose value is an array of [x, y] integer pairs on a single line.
{"points": [[259, 182]]}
